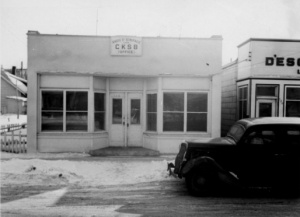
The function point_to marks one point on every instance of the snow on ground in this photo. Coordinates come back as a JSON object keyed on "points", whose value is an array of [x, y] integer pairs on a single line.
{"points": [[6, 119], [81, 171]]}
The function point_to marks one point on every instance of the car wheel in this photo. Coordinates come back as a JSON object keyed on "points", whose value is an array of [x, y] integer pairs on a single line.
{"points": [[201, 182]]}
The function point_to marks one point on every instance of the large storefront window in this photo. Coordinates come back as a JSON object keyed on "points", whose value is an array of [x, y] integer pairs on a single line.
{"points": [[243, 102], [75, 111], [151, 112], [99, 105], [173, 112], [185, 112], [292, 102], [196, 112], [52, 110]]}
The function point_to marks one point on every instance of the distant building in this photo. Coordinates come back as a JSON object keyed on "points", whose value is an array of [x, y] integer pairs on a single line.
{"points": [[13, 94], [91, 92], [264, 81]]}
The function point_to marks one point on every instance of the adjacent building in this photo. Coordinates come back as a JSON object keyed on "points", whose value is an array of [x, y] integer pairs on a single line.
{"points": [[264, 81], [13, 93], [91, 92]]}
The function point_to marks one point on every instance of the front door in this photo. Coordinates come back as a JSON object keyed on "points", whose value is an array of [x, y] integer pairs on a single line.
{"points": [[126, 119], [265, 108]]}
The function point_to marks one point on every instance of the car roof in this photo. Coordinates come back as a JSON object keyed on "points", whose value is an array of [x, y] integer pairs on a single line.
{"points": [[269, 120]]}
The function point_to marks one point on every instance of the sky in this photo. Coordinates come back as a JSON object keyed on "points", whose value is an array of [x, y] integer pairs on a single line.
{"points": [[235, 20]]}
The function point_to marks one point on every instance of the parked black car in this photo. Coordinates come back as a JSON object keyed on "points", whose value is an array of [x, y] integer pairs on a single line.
{"points": [[258, 153]]}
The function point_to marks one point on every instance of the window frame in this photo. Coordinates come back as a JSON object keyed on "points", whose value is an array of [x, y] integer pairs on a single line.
{"points": [[146, 111], [104, 112], [239, 100], [289, 100], [185, 111], [64, 111]]}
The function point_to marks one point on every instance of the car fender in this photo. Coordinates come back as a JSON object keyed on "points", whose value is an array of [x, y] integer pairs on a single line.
{"points": [[208, 162], [200, 161]]}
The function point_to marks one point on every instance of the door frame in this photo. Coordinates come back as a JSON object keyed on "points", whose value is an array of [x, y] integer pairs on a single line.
{"points": [[124, 95], [271, 101]]}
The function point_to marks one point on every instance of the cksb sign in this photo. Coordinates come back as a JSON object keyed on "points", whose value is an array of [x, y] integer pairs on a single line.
{"points": [[126, 46]]}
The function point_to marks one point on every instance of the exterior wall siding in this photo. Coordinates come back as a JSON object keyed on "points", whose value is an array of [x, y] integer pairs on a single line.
{"points": [[7, 90], [229, 97]]}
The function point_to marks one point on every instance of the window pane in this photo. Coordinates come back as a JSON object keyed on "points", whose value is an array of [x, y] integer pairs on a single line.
{"points": [[240, 93], [151, 121], [245, 92], [99, 120], [265, 109], [76, 121], [52, 100], [244, 104], [197, 102], [135, 112], [196, 122], [77, 101], [173, 122], [52, 121], [117, 111], [293, 93], [293, 108], [266, 91], [99, 101], [173, 101], [151, 102]]}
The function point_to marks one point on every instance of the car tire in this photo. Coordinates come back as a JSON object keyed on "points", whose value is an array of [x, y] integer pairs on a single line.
{"points": [[201, 182]]}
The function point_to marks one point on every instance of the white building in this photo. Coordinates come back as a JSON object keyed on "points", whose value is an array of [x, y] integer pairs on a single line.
{"points": [[263, 81], [91, 92]]}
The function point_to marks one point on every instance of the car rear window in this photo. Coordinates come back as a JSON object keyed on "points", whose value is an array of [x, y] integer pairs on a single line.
{"points": [[236, 132]]}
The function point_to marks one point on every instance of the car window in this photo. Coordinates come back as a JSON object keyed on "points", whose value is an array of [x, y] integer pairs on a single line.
{"points": [[260, 137], [236, 132]]}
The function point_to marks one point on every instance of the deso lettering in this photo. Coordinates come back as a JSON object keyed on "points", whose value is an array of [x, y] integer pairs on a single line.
{"points": [[281, 61]]}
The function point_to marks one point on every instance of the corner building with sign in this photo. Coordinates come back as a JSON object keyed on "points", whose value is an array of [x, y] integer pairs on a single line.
{"points": [[92, 92], [264, 81]]}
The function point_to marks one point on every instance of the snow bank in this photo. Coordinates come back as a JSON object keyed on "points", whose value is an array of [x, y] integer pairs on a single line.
{"points": [[87, 173], [6, 119]]}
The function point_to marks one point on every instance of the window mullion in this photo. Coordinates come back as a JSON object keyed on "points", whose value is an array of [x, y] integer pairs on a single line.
{"points": [[64, 111], [185, 113]]}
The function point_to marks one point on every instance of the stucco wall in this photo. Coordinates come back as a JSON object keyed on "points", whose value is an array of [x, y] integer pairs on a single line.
{"points": [[166, 64], [92, 54]]}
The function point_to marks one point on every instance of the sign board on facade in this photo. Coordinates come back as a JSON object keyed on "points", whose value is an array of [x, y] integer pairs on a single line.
{"points": [[126, 46], [282, 61]]}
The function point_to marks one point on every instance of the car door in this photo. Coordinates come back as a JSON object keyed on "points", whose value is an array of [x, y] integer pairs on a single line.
{"points": [[256, 156]]}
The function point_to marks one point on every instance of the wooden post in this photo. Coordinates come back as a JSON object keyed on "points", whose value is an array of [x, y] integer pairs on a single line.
{"points": [[13, 140], [19, 142], [5, 141]]}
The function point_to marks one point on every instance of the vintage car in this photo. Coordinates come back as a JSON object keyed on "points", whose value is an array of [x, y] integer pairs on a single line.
{"points": [[258, 153]]}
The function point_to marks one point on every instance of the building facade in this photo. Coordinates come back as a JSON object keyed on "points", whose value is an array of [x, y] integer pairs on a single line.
{"points": [[91, 92], [264, 81]]}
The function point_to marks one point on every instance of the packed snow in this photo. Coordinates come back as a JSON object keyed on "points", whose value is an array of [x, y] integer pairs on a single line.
{"points": [[80, 171]]}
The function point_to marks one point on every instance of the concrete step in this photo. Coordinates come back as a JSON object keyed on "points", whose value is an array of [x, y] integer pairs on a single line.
{"points": [[124, 151]]}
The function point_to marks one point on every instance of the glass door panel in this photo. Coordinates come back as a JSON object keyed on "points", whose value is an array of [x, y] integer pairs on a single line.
{"points": [[117, 111], [135, 111]]}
